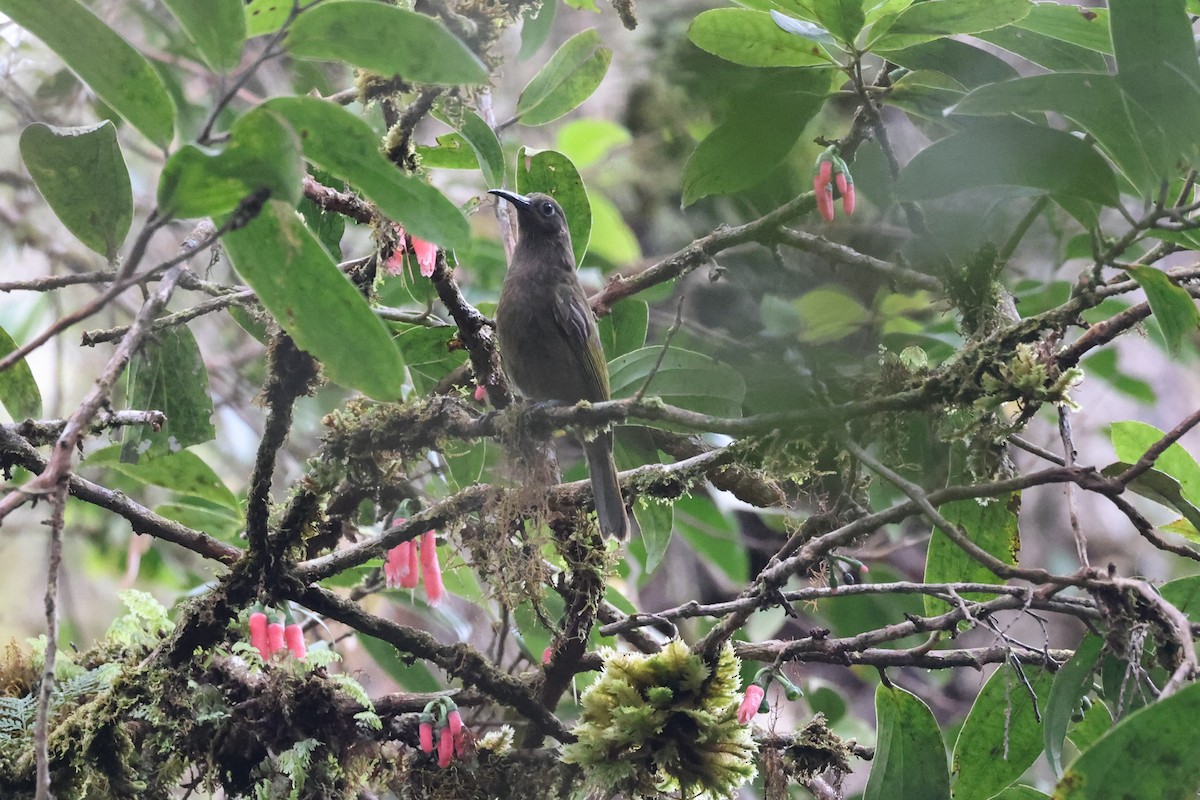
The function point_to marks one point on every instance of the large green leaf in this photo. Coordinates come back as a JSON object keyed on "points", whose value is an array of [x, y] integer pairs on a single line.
{"points": [[568, 78], [1002, 735], [1053, 54], [82, 175], [1184, 594], [265, 16], [612, 239], [1172, 306], [263, 153], [933, 19], [1071, 683], [752, 38], [183, 472], [1013, 153], [1152, 754], [217, 27], [991, 525], [168, 374], [320, 309], [117, 73], [624, 330], [344, 145], [536, 21], [1085, 27], [552, 173], [684, 378], [385, 39], [910, 756], [428, 355], [968, 65], [19, 392], [762, 127], [414, 676], [482, 139], [1131, 440], [843, 18]]}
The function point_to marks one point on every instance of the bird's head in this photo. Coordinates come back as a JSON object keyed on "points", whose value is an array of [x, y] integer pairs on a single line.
{"points": [[538, 214]]}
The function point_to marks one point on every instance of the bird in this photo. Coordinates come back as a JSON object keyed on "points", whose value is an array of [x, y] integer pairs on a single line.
{"points": [[549, 343]]}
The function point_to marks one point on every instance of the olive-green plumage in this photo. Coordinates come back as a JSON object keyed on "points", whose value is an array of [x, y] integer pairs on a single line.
{"points": [[548, 337]]}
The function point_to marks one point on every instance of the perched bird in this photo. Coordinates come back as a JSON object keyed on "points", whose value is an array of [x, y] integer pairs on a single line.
{"points": [[548, 337]]}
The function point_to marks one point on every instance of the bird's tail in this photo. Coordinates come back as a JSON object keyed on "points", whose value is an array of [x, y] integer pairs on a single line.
{"points": [[610, 506]]}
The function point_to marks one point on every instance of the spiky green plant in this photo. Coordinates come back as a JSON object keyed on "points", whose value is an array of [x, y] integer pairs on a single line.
{"points": [[664, 722]]}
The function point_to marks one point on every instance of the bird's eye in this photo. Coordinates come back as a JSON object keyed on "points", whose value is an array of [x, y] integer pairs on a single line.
{"points": [[548, 208]]}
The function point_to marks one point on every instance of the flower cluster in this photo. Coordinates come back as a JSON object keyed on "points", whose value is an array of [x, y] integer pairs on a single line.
{"points": [[426, 253], [441, 720], [272, 631], [400, 568], [832, 171]]}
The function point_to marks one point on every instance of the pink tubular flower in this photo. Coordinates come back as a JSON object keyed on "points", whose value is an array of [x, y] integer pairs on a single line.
{"points": [[431, 570], [275, 640], [481, 394], [751, 702], [824, 190], [547, 654], [258, 634], [454, 723], [845, 185], [293, 636], [400, 568], [426, 253], [445, 747], [425, 730], [395, 263]]}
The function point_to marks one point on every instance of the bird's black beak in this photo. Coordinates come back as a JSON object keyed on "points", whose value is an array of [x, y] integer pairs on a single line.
{"points": [[518, 200]]}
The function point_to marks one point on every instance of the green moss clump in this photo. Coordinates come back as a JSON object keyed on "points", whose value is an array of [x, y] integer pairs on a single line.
{"points": [[664, 722]]}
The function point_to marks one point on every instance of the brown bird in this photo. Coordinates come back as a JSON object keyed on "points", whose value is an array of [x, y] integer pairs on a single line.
{"points": [[548, 337]]}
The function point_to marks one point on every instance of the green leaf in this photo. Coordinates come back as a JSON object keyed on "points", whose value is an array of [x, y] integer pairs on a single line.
{"points": [[536, 22], [414, 677], [344, 145], [624, 330], [385, 39], [183, 472], [752, 39], [482, 139], [570, 76], [1012, 153], [586, 141], [82, 175], [843, 18], [1171, 305], [1002, 735], [263, 153], [685, 378], [216, 27], [314, 302], [763, 126], [19, 392], [992, 526], [1131, 440], [552, 173], [966, 64], [714, 538], [1184, 594], [1152, 754], [1085, 27], [452, 151], [118, 74], [910, 760], [167, 374], [219, 523], [611, 239], [933, 19], [1097, 721], [1071, 683], [1051, 53], [828, 315], [1159, 487], [1021, 793], [427, 354], [266, 16], [656, 521]]}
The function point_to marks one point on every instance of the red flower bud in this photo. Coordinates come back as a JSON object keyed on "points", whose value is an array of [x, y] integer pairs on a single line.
{"points": [[454, 723], [275, 639], [481, 394], [258, 634], [751, 702], [547, 654], [431, 570], [445, 748], [848, 200], [425, 730], [293, 635]]}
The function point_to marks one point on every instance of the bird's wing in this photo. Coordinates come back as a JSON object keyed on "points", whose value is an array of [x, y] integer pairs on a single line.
{"points": [[574, 318]]}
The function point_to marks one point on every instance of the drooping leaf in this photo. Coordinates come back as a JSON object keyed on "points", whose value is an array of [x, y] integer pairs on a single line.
{"points": [[552, 173], [314, 302], [168, 374], [1012, 153], [1071, 683], [1172, 306], [763, 127], [684, 378], [117, 73], [183, 472], [752, 39], [216, 27], [385, 39], [482, 139], [968, 65], [933, 19], [1159, 487], [656, 521], [910, 757], [992, 526], [624, 330], [567, 79], [82, 175], [1002, 735], [344, 145], [263, 152], [19, 392], [1131, 440], [1152, 754], [536, 22], [804, 28]]}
